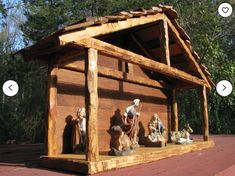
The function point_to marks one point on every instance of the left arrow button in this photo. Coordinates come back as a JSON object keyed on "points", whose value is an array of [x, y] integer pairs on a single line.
{"points": [[10, 88]]}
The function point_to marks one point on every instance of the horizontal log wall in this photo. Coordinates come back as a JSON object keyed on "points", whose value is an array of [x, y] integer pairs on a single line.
{"points": [[114, 96], [119, 75]]}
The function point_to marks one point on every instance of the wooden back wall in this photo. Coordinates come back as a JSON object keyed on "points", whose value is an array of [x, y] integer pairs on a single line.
{"points": [[114, 97]]}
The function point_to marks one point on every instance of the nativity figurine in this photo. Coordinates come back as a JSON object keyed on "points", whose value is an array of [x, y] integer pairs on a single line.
{"points": [[156, 137], [120, 143], [130, 122], [182, 137], [79, 131]]}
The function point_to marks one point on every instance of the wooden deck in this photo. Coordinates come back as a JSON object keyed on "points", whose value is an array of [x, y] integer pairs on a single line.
{"points": [[218, 160], [76, 163], [16, 154]]}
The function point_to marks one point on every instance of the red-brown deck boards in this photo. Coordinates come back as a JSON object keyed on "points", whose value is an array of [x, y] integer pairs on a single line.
{"points": [[217, 160]]}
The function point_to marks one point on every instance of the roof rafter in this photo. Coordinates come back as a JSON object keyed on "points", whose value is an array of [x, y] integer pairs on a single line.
{"points": [[111, 27], [186, 50]]}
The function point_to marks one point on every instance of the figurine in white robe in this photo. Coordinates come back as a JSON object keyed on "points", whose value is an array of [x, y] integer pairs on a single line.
{"points": [[79, 131], [130, 121]]}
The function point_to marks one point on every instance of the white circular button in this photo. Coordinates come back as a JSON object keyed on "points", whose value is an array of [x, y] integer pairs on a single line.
{"points": [[224, 88], [10, 88], [225, 9]]}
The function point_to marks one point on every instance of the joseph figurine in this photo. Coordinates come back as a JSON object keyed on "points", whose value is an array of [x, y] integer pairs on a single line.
{"points": [[79, 131], [130, 121]]}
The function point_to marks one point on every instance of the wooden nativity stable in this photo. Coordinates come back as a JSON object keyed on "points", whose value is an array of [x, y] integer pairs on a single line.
{"points": [[103, 63]]}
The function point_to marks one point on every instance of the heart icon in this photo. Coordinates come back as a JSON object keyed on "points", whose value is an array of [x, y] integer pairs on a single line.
{"points": [[225, 9]]}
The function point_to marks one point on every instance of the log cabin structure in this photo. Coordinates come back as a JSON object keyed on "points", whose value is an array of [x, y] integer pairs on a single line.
{"points": [[103, 63]]}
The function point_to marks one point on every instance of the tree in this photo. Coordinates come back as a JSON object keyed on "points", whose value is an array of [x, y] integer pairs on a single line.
{"points": [[45, 17], [213, 37], [18, 122], [2, 10]]}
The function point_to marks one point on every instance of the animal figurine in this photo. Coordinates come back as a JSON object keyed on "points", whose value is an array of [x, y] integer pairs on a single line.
{"points": [[182, 137], [120, 143]]}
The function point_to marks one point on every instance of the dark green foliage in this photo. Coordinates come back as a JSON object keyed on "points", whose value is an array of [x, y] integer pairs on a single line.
{"points": [[213, 37], [46, 17], [21, 116], [2, 10]]}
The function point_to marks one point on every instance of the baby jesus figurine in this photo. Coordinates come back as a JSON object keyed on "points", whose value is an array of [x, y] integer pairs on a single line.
{"points": [[79, 131]]}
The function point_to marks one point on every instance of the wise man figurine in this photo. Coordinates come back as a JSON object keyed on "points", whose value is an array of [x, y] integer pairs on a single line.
{"points": [[79, 131], [130, 121]]}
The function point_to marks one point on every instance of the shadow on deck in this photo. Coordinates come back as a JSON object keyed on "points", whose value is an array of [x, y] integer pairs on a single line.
{"points": [[21, 154]]}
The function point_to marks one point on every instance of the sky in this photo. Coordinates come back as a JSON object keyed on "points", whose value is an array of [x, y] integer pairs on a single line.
{"points": [[13, 21]]}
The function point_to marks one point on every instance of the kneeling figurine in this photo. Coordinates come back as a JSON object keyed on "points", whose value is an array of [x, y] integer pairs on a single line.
{"points": [[120, 143], [156, 137]]}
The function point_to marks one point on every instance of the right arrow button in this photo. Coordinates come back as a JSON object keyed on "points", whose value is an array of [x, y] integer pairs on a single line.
{"points": [[224, 88]]}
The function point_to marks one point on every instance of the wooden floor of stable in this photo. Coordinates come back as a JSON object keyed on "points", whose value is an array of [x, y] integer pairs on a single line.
{"points": [[77, 163]]}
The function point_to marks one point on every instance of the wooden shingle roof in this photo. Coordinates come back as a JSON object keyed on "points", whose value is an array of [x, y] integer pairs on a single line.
{"points": [[125, 15]]}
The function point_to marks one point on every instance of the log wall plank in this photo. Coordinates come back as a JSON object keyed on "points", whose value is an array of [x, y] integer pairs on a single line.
{"points": [[118, 75]]}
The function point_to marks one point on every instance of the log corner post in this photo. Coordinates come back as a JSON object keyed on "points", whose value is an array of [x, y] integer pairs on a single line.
{"points": [[204, 109], [91, 103], [52, 109], [164, 42], [174, 112]]}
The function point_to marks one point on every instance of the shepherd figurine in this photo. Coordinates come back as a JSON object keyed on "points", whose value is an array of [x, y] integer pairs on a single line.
{"points": [[130, 120]]}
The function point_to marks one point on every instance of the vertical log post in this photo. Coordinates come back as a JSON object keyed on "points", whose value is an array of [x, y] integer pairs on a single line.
{"points": [[204, 109], [91, 101], [169, 110], [174, 112], [164, 42], [52, 110]]}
